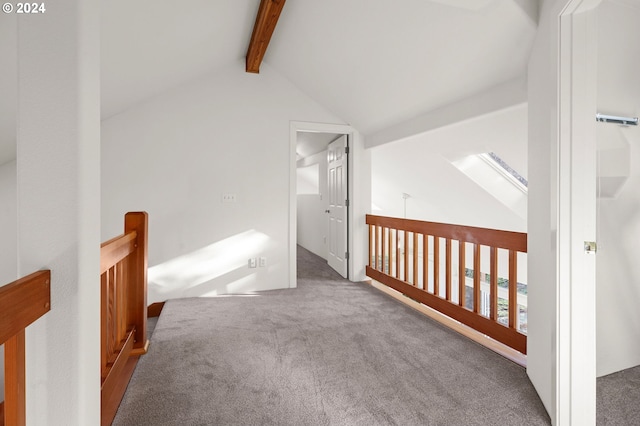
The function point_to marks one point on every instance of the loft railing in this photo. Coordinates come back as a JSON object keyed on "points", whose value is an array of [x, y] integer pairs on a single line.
{"points": [[445, 267], [21, 303], [123, 276]]}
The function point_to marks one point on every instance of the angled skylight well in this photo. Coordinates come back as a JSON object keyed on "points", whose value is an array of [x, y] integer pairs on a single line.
{"points": [[506, 170]]}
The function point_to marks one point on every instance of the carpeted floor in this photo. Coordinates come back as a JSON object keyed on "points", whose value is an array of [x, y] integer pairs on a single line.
{"points": [[330, 352], [618, 401]]}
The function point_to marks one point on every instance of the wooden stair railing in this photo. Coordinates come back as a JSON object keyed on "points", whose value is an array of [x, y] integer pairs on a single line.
{"points": [[420, 278], [21, 303], [123, 276]]}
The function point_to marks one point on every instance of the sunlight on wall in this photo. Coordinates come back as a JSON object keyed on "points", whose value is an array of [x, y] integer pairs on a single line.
{"points": [[218, 268]]}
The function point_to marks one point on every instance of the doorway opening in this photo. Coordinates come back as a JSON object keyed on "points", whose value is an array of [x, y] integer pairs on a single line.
{"points": [[322, 188], [320, 195]]}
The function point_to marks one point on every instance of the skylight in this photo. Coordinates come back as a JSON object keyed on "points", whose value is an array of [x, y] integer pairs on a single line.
{"points": [[504, 167]]}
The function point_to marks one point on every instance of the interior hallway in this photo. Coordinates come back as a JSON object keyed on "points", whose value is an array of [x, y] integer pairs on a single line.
{"points": [[329, 352]]}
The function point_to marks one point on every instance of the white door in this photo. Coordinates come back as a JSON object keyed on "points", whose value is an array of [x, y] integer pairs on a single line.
{"points": [[337, 176]]}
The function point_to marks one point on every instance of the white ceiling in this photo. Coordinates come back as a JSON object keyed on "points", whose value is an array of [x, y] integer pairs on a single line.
{"points": [[372, 63], [310, 143], [149, 46], [377, 63]]}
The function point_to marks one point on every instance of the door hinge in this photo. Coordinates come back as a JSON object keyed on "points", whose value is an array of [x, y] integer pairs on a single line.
{"points": [[346, 150], [346, 203], [346, 255]]}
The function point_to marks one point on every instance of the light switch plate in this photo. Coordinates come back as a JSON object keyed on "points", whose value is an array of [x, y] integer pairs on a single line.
{"points": [[229, 198]]}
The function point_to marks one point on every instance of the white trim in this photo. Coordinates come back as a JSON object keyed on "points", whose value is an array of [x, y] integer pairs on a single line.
{"points": [[574, 340], [301, 126]]}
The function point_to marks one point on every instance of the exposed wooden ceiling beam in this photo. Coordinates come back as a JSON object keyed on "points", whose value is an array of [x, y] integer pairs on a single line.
{"points": [[266, 21]]}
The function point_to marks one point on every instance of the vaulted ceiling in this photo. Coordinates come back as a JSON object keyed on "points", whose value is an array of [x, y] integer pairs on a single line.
{"points": [[373, 63]]}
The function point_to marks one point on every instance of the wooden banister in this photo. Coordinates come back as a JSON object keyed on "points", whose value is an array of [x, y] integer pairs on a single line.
{"points": [[123, 332], [21, 303], [471, 234], [483, 318], [116, 249]]}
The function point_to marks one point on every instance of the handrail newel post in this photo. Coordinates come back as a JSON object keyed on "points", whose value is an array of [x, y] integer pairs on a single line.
{"points": [[137, 311]]}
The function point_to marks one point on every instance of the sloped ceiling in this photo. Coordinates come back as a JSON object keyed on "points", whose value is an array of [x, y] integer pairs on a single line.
{"points": [[149, 46], [373, 63], [377, 63]]}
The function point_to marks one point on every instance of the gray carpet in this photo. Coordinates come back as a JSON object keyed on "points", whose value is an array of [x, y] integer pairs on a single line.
{"points": [[618, 401], [330, 352]]}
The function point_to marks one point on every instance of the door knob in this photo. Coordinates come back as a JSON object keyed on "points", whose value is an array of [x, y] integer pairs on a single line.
{"points": [[327, 211]]}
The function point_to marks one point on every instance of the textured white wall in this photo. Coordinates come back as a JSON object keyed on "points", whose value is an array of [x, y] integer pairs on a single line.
{"points": [[312, 223], [618, 277], [227, 133], [58, 172], [8, 238]]}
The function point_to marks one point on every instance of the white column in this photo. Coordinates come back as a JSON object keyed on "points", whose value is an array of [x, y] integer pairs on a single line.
{"points": [[58, 171]]}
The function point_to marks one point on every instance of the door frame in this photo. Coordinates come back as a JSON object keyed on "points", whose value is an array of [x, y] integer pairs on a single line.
{"points": [[353, 247]]}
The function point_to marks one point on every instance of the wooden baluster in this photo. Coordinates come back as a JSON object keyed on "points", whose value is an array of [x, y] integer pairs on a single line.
{"points": [[383, 247], [122, 299], [425, 262], [374, 247], [379, 247], [371, 261], [104, 285], [406, 256], [462, 275], [111, 315], [390, 242], [397, 254], [448, 269], [476, 278], [14, 380], [513, 289], [436, 265], [493, 293], [415, 259]]}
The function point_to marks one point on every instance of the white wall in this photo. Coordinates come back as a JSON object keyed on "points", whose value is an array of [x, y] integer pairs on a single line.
{"points": [[618, 276], [312, 222], [176, 155], [8, 218], [58, 187], [8, 238]]}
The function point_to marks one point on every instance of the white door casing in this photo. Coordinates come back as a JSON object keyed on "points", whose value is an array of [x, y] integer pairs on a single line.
{"points": [[338, 193]]}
